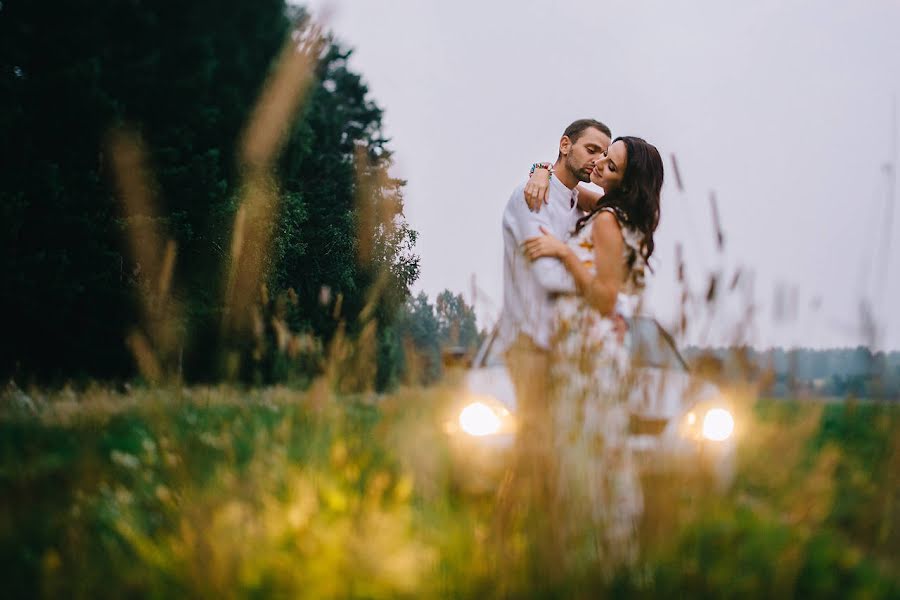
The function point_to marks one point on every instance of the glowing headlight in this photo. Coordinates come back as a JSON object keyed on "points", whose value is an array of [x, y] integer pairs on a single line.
{"points": [[718, 425], [479, 419]]}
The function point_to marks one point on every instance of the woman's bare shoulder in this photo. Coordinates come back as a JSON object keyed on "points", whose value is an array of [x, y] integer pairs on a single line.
{"points": [[606, 228], [606, 220]]}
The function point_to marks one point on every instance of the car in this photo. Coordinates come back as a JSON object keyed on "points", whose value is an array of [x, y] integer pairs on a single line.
{"points": [[677, 419]]}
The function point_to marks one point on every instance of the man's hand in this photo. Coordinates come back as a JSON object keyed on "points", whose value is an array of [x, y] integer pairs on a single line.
{"points": [[537, 189]]}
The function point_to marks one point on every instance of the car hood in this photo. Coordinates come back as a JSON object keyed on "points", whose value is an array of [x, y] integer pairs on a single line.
{"points": [[494, 382], [656, 393], [667, 393]]}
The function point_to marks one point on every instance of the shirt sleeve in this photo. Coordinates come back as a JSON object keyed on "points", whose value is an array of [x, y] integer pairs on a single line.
{"points": [[550, 272]]}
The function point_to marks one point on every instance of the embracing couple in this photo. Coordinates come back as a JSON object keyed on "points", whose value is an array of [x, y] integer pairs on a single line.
{"points": [[570, 255]]}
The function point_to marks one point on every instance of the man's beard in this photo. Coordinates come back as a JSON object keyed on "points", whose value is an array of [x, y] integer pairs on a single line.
{"points": [[579, 174]]}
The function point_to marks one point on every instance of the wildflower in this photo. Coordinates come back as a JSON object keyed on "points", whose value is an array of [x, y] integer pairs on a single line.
{"points": [[163, 493], [403, 489], [123, 459]]}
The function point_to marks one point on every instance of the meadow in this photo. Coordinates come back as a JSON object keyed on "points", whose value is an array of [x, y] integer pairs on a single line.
{"points": [[234, 492]]}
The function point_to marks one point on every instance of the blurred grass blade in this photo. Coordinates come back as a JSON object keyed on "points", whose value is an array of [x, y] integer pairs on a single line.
{"points": [[154, 259], [717, 224], [271, 120], [677, 171]]}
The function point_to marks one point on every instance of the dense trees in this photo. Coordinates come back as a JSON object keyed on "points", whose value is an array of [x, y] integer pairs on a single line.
{"points": [[428, 330], [184, 77], [833, 372]]}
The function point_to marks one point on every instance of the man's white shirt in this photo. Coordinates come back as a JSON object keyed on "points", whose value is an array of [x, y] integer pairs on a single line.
{"points": [[527, 285]]}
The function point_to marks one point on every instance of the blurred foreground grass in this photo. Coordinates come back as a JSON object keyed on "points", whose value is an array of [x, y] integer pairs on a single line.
{"points": [[228, 493]]}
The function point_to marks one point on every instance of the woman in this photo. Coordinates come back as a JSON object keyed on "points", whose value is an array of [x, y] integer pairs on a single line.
{"points": [[607, 253]]}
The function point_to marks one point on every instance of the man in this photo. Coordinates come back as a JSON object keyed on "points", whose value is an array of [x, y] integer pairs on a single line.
{"points": [[527, 286], [526, 319]]}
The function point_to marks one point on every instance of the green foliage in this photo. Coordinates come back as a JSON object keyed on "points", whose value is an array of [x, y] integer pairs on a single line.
{"points": [[866, 434], [186, 76], [219, 492], [429, 329], [841, 372], [418, 326], [456, 320]]}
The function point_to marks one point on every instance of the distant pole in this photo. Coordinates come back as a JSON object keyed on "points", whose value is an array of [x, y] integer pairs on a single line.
{"points": [[889, 169], [891, 186]]}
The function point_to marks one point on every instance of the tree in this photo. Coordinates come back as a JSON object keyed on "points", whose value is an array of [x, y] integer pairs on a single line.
{"points": [[418, 329], [456, 321], [184, 77], [427, 330]]}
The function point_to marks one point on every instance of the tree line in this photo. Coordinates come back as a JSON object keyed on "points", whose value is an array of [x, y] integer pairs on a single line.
{"points": [[183, 80], [430, 330], [858, 372]]}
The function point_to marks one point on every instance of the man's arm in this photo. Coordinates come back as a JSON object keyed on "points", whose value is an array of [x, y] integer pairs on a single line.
{"points": [[550, 273]]}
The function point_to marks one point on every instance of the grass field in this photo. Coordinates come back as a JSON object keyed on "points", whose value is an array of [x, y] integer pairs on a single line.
{"points": [[228, 493]]}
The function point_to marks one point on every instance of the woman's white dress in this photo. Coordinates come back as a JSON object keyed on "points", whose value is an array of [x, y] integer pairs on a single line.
{"points": [[599, 488]]}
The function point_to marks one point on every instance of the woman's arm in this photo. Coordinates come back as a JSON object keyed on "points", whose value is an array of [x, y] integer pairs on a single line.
{"points": [[587, 198], [609, 272], [601, 288], [538, 187], [537, 190]]}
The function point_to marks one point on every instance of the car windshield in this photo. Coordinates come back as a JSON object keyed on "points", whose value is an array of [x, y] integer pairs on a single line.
{"points": [[651, 346], [648, 343], [490, 355]]}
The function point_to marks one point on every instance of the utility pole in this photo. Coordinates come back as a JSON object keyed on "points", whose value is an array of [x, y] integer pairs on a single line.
{"points": [[889, 169]]}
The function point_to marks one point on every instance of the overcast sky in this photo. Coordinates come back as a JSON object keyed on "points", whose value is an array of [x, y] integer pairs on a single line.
{"points": [[783, 108]]}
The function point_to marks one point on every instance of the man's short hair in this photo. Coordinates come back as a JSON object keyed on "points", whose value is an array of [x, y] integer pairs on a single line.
{"points": [[574, 131]]}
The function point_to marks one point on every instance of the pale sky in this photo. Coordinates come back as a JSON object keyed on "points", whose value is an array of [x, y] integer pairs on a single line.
{"points": [[785, 109]]}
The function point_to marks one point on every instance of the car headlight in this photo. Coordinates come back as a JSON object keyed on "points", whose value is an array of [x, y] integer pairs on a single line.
{"points": [[479, 419], [714, 424], [718, 425]]}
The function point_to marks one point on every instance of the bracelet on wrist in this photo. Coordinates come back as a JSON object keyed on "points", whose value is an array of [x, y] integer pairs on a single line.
{"points": [[541, 165]]}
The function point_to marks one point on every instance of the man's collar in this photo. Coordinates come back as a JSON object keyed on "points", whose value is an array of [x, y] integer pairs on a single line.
{"points": [[561, 187], [564, 191]]}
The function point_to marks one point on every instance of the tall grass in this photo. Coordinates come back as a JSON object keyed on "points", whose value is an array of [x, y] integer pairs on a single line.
{"points": [[222, 492]]}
